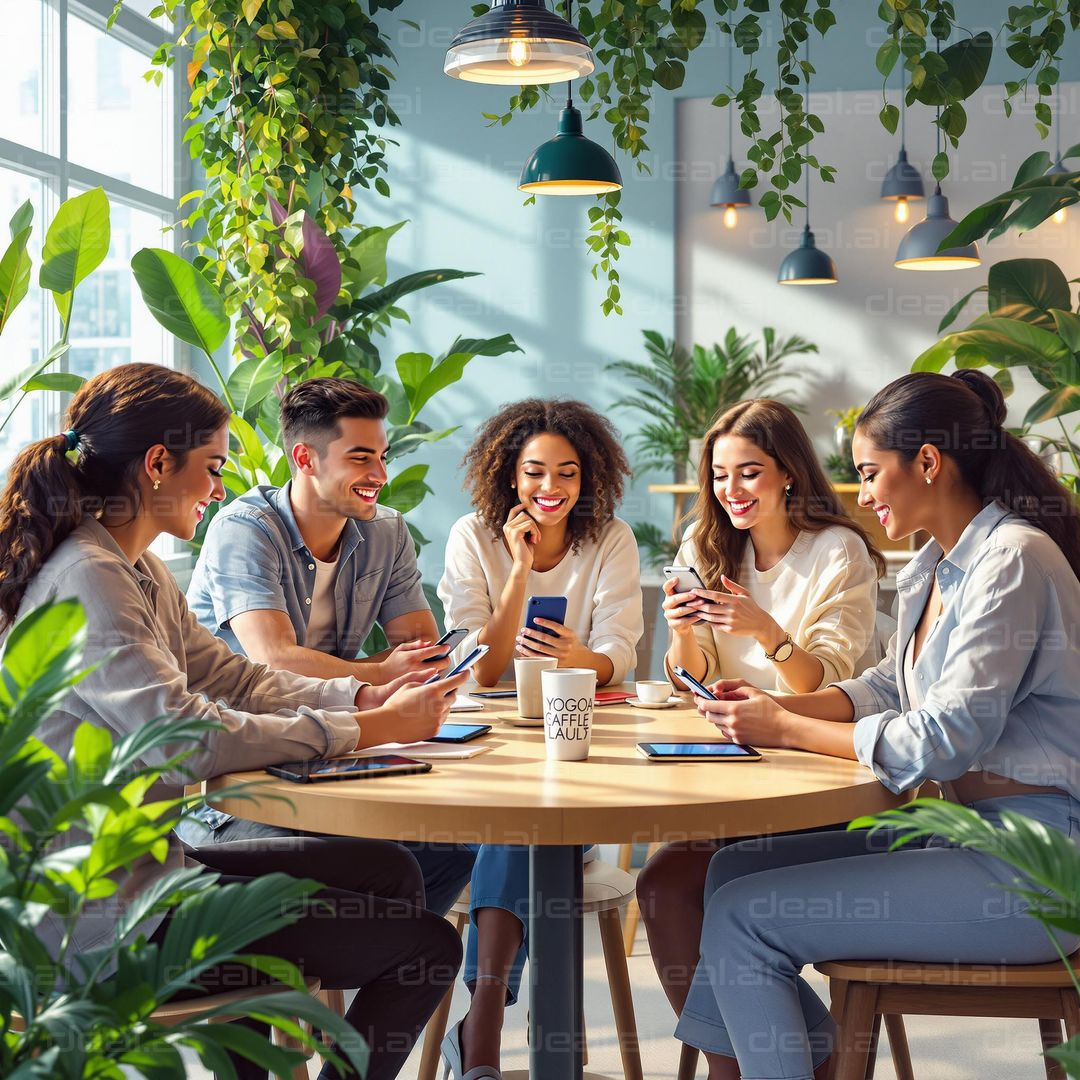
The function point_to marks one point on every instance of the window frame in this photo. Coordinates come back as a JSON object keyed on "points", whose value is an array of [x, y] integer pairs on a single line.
{"points": [[59, 175]]}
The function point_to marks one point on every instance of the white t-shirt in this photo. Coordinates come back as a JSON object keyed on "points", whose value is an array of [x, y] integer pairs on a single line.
{"points": [[601, 583], [823, 593], [322, 618]]}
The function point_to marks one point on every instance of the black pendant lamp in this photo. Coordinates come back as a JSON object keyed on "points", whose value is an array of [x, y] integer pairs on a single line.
{"points": [[727, 193], [518, 43], [570, 164], [903, 182], [807, 265], [919, 248]]}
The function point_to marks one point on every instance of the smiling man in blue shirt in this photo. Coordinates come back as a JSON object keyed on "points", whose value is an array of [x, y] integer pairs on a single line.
{"points": [[296, 577]]}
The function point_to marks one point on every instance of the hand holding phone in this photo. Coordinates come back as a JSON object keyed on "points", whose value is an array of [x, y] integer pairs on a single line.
{"points": [[462, 667], [552, 608], [699, 688], [448, 643], [680, 617], [414, 712]]}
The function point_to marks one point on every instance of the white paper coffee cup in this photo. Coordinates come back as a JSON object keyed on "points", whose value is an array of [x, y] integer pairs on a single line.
{"points": [[530, 697], [569, 694]]}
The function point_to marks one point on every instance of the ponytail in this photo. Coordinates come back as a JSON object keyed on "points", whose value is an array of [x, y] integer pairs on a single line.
{"points": [[114, 418], [39, 507], [963, 416]]}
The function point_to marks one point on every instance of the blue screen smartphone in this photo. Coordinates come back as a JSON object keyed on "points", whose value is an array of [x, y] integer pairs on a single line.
{"points": [[321, 769], [464, 665], [699, 688], [493, 693], [552, 608], [678, 751], [451, 640], [459, 733]]}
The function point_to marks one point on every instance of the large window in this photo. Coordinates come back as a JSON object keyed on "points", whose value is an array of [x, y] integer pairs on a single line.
{"points": [[79, 114]]}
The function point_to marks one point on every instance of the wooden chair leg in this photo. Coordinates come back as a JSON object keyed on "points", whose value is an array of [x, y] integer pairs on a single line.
{"points": [[1070, 1011], [334, 1000], [871, 1056], [1050, 1036], [898, 1046], [633, 912], [688, 1059], [626, 857], [435, 1031], [855, 1035], [622, 1003]]}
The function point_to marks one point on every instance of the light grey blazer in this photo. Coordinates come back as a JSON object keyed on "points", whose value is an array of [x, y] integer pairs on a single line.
{"points": [[166, 664]]}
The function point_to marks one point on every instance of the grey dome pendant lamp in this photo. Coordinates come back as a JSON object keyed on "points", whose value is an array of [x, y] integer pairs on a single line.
{"points": [[727, 191], [919, 248], [518, 43], [807, 264], [903, 182], [570, 164]]}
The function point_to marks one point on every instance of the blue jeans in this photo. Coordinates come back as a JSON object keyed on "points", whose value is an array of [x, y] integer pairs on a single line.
{"points": [[446, 867], [500, 879], [773, 905]]}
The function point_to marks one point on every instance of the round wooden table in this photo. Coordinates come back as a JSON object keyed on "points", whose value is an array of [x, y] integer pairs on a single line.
{"points": [[513, 795]]}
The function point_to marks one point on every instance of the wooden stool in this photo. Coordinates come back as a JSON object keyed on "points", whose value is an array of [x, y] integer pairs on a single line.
{"points": [[633, 912], [607, 889], [180, 1012], [863, 991]]}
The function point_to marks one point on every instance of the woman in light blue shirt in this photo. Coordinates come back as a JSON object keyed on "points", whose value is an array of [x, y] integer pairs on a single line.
{"points": [[980, 692]]}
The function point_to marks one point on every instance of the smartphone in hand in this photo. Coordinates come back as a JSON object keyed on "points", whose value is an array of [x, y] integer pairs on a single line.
{"points": [[451, 640], [699, 688], [552, 608], [464, 665]]}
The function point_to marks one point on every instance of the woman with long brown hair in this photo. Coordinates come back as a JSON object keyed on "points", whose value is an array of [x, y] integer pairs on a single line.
{"points": [[979, 694], [790, 605], [142, 457]]}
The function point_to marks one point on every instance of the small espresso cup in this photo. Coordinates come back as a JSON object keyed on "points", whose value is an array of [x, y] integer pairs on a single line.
{"points": [[653, 691], [527, 676], [569, 694]]}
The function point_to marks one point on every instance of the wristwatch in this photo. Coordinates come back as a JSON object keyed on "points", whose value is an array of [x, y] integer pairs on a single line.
{"points": [[782, 651]]}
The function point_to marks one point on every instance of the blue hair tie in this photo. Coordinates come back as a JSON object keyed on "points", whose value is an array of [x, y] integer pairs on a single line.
{"points": [[72, 440]]}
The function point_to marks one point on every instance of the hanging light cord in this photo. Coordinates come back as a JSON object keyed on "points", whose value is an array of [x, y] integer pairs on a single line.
{"points": [[1057, 122], [903, 105], [937, 126], [569, 82], [806, 57], [731, 104]]}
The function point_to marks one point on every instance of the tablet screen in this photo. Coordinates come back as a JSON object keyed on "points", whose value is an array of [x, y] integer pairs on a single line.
{"points": [[703, 750]]}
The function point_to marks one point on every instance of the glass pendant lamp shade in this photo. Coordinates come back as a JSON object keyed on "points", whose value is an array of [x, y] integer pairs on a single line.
{"points": [[1058, 216], [919, 248], [518, 43], [570, 164], [807, 265]]}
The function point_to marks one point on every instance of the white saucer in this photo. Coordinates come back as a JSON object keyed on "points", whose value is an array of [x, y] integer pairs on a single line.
{"points": [[521, 721], [669, 704]]}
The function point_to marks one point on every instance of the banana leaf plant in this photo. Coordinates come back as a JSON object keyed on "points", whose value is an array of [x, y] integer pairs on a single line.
{"points": [[1047, 864], [89, 1014], [341, 305], [1031, 320], [76, 244]]}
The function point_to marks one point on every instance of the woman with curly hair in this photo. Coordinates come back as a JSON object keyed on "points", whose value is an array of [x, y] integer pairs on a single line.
{"points": [[545, 478]]}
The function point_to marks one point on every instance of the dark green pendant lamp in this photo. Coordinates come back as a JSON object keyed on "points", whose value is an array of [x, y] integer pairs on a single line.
{"points": [[518, 43], [727, 193], [807, 264], [570, 164]]}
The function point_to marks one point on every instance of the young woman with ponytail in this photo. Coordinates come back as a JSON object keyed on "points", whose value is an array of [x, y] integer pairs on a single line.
{"points": [[141, 456], [979, 692]]}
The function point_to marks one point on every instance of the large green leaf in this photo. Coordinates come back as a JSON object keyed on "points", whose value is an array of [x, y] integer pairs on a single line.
{"points": [[1035, 283], [392, 293], [14, 275], [40, 640], [1068, 326], [181, 298], [365, 264], [75, 245], [1065, 399], [406, 490], [950, 316], [62, 382], [1008, 342]]}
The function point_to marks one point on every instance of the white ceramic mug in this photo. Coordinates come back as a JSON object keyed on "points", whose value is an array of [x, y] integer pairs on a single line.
{"points": [[527, 677], [569, 695], [653, 691]]}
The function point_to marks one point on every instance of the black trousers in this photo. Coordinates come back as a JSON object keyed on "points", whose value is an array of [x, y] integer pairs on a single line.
{"points": [[377, 938]]}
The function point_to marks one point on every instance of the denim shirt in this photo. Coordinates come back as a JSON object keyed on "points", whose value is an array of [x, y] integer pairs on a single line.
{"points": [[999, 673], [254, 559]]}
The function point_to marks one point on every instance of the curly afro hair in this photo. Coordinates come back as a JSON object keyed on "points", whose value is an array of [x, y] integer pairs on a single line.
{"points": [[491, 462]]}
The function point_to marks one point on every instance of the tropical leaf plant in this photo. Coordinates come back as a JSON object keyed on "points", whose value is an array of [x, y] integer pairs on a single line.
{"points": [[1047, 864], [73, 825], [679, 391]]}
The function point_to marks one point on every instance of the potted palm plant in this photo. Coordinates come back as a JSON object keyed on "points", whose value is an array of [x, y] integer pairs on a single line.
{"points": [[678, 392]]}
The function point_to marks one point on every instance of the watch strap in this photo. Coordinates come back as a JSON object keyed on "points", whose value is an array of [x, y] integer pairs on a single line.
{"points": [[787, 641]]}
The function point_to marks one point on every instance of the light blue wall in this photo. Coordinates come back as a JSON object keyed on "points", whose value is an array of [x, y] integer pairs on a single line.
{"points": [[455, 179]]}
